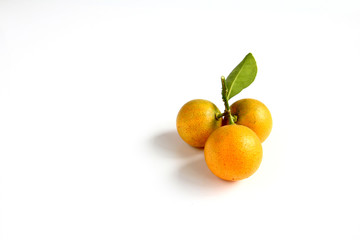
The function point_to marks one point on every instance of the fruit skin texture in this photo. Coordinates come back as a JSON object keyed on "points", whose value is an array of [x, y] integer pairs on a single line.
{"points": [[254, 115], [233, 152], [196, 120]]}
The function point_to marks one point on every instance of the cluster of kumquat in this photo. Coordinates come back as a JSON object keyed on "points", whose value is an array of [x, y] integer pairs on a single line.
{"points": [[232, 139]]}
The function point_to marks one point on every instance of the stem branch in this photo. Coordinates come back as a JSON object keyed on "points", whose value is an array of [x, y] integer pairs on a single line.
{"points": [[220, 115]]}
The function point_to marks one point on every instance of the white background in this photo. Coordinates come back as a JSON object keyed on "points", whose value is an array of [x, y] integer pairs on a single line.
{"points": [[90, 90]]}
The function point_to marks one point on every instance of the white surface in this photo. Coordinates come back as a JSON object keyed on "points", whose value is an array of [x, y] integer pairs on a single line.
{"points": [[90, 90]]}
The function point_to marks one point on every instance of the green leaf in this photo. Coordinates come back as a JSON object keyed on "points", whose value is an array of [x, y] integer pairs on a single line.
{"points": [[242, 76]]}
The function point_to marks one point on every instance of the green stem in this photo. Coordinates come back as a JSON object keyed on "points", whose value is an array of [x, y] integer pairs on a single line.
{"points": [[219, 115], [224, 94]]}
